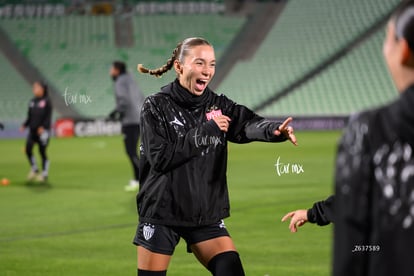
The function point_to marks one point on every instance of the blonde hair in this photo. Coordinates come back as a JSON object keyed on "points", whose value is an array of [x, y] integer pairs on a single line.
{"points": [[179, 53]]}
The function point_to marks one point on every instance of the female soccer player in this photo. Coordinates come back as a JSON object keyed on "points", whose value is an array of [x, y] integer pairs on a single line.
{"points": [[183, 190], [38, 122]]}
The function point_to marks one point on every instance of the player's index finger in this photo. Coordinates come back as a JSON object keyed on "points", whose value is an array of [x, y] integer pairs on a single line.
{"points": [[285, 123], [288, 215], [226, 117]]}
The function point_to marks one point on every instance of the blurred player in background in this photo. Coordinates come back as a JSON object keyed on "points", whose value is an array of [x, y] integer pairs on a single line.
{"points": [[38, 122], [129, 100], [183, 188], [373, 206]]}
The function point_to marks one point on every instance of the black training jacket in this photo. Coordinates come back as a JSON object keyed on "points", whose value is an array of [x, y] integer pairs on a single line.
{"points": [[322, 212], [39, 114], [374, 194], [184, 155]]}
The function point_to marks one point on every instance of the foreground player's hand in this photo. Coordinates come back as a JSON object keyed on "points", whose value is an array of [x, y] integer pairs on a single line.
{"points": [[222, 122], [297, 219], [22, 128], [287, 131]]}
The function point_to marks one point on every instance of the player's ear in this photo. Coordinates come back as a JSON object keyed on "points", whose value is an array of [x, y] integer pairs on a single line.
{"points": [[406, 55], [178, 67]]}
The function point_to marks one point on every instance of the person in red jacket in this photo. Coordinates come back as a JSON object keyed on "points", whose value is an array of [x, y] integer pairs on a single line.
{"points": [[183, 188], [38, 121]]}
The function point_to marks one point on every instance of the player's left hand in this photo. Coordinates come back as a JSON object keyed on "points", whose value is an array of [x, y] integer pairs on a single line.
{"points": [[40, 130], [297, 219], [287, 131]]}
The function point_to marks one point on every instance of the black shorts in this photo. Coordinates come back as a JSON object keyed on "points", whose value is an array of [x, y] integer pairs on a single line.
{"points": [[163, 239]]}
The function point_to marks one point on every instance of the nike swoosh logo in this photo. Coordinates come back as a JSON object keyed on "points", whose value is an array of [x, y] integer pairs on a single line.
{"points": [[177, 122]]}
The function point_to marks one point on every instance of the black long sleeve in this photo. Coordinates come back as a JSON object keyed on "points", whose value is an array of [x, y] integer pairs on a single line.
{"points": [[246, 126], [165, 154], [322, 212], [184, 155]]}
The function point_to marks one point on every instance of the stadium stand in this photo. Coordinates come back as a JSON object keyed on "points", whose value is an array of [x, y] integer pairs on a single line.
{"points": [[356, 82], [306, 33], [157, 36], [15, 93], [75, 52]]}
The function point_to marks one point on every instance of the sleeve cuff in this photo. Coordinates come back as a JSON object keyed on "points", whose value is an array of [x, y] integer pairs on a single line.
{"points": [[311, 216]]}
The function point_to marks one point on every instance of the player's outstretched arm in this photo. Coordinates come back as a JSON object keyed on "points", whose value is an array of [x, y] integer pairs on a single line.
{"points": [[297, 219], [287, 131]]}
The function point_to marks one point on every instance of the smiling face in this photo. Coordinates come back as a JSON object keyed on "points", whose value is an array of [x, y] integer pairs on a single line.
{"points": [[196, 69]]}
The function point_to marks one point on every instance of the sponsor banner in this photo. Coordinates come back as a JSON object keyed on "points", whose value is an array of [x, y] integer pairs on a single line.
{"points": [[64, 128], [82, 128], [97, 128]]}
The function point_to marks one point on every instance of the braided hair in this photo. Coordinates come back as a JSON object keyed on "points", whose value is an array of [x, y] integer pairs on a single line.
{"points": [[179, 53]]}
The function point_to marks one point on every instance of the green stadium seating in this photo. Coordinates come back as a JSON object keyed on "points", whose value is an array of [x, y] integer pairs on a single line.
{"points": [[75, 52], [356, 82], [306, 33], [15, 93]]}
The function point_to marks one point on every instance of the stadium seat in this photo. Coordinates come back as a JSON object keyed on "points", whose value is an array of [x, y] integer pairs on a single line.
{"points": [[356, 82], [306, 33], [75, 52], [15, 93]]}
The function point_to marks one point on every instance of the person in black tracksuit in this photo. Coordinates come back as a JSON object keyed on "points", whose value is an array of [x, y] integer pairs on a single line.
{"points": [[129, 100], [373, 205], [38, 122], [183, 191]]}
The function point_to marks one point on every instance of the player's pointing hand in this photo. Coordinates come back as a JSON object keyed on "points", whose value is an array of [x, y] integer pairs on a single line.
{"points": [[287, 131], [297, 219]]}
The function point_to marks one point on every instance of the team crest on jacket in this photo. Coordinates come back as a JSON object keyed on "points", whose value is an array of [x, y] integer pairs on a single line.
{"points": [[148, 231], [213, 112], [42, 103]]}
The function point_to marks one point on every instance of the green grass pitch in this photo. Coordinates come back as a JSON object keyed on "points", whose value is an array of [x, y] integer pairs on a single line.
{"points": [[83, 222]]}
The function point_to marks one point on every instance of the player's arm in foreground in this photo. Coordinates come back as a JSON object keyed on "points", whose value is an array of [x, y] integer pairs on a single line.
{"points": [[321, 213]]}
